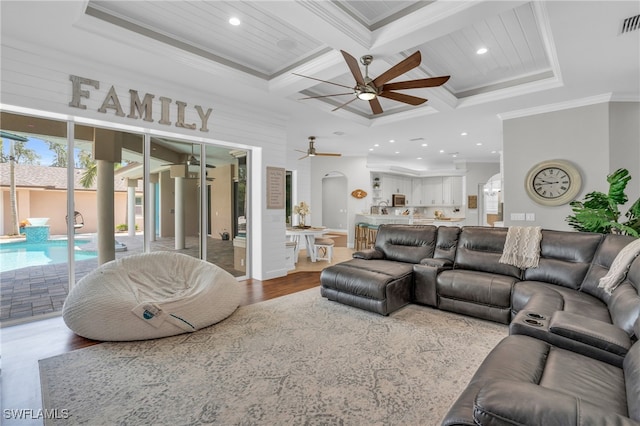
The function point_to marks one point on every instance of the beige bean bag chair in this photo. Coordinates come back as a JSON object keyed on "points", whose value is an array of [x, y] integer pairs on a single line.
{"points": [[150, 295]]}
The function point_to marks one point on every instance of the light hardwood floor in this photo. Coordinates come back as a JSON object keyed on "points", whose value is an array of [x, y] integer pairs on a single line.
{"points": [[23, 345]]}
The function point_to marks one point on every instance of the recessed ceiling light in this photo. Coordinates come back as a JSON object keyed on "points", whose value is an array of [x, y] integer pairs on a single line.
{"points": [[442, 151], [391, 141], [463, 134], [482, 51], [397, 152], [424, 144], [370, 149], [377, 144], [479, 143], [418, 158], [454, 155], [234, 21], [493, 152]]}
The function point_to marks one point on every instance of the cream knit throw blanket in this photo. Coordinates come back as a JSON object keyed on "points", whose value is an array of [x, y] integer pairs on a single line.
{"points": [[620, 267], [522, 246]]}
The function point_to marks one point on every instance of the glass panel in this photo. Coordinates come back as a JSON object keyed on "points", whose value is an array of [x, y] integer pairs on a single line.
{"points": [[109, 181], [175, 178], [227, 209], [33, 194]]}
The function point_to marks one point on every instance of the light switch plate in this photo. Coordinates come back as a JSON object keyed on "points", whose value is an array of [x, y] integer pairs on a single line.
{"points": [[517, 216], [531, 217]]}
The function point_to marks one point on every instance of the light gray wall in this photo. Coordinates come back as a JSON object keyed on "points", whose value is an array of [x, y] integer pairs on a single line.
{"points": [[597, 138], [624, 137]]}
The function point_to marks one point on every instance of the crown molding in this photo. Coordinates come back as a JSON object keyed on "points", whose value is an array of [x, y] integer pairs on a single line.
{"points": [[575, 103]]}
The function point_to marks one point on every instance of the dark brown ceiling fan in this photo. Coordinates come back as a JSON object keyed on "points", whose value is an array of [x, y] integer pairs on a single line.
{"points": [[311, 151], [369, 89]]}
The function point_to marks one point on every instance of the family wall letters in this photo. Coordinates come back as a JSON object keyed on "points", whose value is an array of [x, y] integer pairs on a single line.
{"points": [[138, 109]]}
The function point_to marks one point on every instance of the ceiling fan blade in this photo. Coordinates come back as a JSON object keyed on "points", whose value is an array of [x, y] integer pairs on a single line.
{"points": [[401, 97], [416, 84], [323, 81], [210, 166], [299, 150], [398, 69], [376, 108], [328, 154], [344, 104], [353, 66], [302, 158], [326, 96]]}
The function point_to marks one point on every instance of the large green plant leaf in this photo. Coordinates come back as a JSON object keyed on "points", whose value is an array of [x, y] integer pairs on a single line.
{"points": [[599, 211], [633, 219], [617, 184]]}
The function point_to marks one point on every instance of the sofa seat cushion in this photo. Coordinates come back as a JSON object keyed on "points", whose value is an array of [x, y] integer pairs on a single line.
{"points": [[478, 287], [526, 360], [381, 286], [547, 298], [370, 280]]}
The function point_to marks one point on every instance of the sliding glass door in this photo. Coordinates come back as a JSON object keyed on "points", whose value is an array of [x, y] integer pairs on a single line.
{"points": [[132, 193]]}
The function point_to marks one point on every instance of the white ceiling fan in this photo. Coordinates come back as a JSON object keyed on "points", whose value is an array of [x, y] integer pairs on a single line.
{"points": [[311, 151]]}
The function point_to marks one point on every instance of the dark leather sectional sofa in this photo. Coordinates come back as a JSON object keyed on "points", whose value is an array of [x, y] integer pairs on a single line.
{"points": [[571, 357]]}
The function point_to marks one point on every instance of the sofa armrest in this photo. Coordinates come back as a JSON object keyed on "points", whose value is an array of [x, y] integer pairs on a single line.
{"points": [[503, 403], [368, 254], [438, 263], [589, 331], [425, 281]]}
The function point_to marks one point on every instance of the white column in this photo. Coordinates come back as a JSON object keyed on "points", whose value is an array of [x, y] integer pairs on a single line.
{"points": [[131, 206], [151, 205], [179, 213], [105, 187]]}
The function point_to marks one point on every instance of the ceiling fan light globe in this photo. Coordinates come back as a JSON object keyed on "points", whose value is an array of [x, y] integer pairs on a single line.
{"points": [[366, 96]]}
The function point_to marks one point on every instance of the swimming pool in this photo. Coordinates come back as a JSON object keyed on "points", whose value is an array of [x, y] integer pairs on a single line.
{"points": [[21, 254]]}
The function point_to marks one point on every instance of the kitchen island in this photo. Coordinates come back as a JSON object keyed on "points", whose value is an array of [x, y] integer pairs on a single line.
{"points": [[366, 225], [380, 219]]}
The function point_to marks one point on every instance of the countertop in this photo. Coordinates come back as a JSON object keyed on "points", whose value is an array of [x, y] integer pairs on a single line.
{"points": [[378, 219]]}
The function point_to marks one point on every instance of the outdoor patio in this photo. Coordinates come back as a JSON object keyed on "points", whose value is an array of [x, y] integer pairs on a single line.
{"points": [[41, 290]]}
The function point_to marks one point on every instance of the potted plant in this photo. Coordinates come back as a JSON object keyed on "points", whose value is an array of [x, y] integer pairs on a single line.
{"points": [[599, 212]]}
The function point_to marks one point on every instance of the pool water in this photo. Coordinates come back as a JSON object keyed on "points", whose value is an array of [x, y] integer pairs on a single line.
{"points": [[23, 255]]}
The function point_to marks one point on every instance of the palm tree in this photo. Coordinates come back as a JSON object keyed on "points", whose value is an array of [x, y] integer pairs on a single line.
{"points": [[15, 226]]}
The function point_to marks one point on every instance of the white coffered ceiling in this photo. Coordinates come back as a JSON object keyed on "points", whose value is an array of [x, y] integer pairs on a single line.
{"points": [[539, 54]]}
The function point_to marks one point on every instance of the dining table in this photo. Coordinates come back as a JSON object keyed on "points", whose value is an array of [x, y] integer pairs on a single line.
{"points": [[309, 235]]}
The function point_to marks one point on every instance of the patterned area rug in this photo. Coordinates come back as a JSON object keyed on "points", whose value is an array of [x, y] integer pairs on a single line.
{"points": [[298, 359]]}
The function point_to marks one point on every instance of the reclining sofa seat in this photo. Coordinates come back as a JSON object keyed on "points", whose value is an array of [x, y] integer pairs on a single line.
{"points": [[586, 320], [530, 378], [478, 285], [381, 279]]}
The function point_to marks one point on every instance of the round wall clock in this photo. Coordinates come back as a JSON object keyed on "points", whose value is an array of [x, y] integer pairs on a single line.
{"points": [[553, 182]]}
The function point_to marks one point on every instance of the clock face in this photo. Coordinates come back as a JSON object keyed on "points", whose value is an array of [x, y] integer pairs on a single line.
{"points": [[553, 183]]}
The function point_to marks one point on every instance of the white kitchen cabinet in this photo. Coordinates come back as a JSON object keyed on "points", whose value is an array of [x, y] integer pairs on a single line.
{"points": [[452, 190], [416, 195], [432, 191], [396, 184]]}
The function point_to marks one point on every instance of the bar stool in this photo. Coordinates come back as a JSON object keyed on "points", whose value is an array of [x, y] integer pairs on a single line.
{"points": [[324, 245], [372, 233], [361, 236]]}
